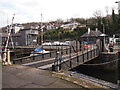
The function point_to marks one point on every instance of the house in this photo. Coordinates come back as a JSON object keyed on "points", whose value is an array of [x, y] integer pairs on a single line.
{"points": [[4, 37], [71, 26], [17, 28], [91, 36], [25, 37]]}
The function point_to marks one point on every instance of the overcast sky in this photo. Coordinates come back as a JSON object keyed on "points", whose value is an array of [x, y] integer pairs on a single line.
{"points": [[30, 10]]}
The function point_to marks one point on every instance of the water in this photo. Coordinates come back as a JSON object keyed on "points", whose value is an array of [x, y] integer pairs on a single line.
{"points": [[101, 72], [110, 76]]}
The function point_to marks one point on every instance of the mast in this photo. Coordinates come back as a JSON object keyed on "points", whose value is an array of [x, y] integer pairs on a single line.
{"points": [[41, 31]]}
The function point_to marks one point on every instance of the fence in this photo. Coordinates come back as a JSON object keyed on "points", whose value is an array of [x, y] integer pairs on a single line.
{"points": [[39, 57], [75, 60]]}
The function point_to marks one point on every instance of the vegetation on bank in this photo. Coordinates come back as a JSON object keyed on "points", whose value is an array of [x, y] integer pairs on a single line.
{"points": [[109, 24]]}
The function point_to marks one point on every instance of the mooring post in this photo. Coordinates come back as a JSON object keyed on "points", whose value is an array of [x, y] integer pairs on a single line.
{"points": [[8, 57]]}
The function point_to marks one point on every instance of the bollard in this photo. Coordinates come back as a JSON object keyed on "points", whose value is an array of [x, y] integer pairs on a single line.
{"points": [[4, 59], [53, 67], [8, 57]]}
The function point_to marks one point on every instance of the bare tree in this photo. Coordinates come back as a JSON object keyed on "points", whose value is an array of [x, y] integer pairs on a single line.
{"points": [[107, 10], [98, 13]]}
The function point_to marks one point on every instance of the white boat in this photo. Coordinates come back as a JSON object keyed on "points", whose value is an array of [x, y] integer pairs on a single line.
{"points": [[39, 51]]}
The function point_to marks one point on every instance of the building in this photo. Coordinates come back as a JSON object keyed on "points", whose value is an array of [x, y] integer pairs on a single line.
{"points": [[91, 36], [17, 28], [25, 37], [71, 26]]}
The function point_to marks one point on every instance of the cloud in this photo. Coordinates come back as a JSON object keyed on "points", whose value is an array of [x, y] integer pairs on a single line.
{"points": [[30, 10]]}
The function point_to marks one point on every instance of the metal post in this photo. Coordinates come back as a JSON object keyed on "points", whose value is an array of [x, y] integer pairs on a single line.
{"points": [[83, 57], [87, 54], [41, 31], [80, 46], [91, 54], [77, 52], [66, 50], [7, 42], [8, 57], [70, 57]]}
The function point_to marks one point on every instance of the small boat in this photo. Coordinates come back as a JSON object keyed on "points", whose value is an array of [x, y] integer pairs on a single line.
{"points": [[38, 51]]}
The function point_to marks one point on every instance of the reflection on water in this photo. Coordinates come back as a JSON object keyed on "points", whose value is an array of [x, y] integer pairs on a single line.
{"points": [[110, 76]]}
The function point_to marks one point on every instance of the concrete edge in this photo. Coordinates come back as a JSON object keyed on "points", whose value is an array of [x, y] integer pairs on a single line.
{"points": [[82, 82]]}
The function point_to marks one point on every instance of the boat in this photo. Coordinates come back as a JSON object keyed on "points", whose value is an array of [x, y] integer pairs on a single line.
{"points": [[38, 51]]}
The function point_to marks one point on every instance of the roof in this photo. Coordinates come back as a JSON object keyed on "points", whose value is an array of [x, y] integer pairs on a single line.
{"points": [[38, 49], [16, 34], [28, 29], [6, 34], [103, 35], [92, 33]]}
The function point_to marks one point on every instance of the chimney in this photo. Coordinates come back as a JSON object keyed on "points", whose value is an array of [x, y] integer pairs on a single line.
{"points": [[88, 30], [96, 29]]}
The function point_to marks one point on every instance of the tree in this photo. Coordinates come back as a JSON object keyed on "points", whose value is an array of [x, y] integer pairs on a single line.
{"points": [[114, 24], [98, 16]]}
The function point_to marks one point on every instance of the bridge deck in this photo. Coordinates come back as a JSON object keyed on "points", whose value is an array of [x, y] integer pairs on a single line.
{"points": [[76, 59]]}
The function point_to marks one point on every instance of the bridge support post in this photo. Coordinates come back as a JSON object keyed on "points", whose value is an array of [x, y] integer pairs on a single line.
{"points": [[83, 57], [70, 64], [57, 64], [50, 53], [77, 59], [42, 56]]}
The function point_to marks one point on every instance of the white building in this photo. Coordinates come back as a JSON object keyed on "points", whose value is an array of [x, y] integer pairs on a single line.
{"points": [[70, 26], [17, 28]]}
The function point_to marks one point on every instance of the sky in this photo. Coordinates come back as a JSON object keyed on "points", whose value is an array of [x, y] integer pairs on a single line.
{"points": [[30, 10]]}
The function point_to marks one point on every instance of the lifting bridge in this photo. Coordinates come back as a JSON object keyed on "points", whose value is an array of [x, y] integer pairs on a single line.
{"points": [[66, 59]]}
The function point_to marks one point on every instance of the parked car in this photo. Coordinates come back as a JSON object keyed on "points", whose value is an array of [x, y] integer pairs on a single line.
{"points": [[47, 44]]}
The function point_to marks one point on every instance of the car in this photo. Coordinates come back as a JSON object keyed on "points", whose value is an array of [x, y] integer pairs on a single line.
{"points": [[56, 43], [47, 44], [68, 42]]}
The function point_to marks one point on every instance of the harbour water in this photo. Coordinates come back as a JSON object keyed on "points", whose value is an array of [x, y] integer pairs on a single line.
{"points": [[94, 71], [107, 72]]}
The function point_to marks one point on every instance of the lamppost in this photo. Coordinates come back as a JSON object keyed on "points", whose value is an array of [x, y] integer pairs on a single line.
{"points": [[41, 31]]}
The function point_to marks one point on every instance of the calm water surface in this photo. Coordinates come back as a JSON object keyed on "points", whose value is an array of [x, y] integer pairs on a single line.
{"points": [[98, 73]]}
